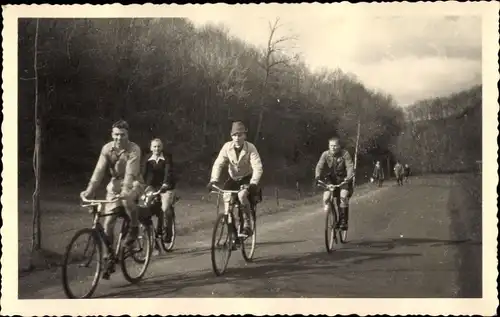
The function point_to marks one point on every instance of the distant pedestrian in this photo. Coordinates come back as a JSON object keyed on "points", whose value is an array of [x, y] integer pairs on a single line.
{"points": [[378, 174], [406, 172], [398, 172]]}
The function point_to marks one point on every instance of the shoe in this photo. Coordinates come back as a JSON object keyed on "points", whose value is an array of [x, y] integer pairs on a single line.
{"points": [[109, 268], [236, 245], [132, 235]]}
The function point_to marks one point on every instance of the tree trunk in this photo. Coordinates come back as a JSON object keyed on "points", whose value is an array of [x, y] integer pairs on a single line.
{"points": [[388, 167], [356, 153], [261, 113], [259, 125], [37, 236]]}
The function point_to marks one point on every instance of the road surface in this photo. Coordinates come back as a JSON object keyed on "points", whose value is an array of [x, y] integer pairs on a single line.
{"points": [[420, 240]]}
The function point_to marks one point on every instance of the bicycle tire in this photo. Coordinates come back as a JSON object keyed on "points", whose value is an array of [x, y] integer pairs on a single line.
{"points": [[248, 256], [168, 247], [124, 252], [97, 246], [221, 221], [330, 230]]}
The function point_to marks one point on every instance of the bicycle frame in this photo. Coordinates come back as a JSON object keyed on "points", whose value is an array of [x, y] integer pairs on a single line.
{"points": [[331, 189], [96, 206], [232, 204]]}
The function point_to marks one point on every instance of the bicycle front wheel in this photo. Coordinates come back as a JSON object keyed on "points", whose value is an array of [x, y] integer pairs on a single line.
{"points": [[248, 245], [134, 259], [222, 244], [330, 230], [82, 264]]}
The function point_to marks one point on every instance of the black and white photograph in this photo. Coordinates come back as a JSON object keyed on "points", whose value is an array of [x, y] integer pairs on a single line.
{"points": [[297, 158]]}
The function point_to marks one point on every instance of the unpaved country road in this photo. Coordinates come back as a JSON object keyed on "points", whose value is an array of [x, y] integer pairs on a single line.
{"points": [[410, 241]]}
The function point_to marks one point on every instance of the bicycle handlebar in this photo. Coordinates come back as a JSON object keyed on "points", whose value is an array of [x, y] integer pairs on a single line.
{"points": [[220, 190], [329, 186], [91, 202], [154, 193]]}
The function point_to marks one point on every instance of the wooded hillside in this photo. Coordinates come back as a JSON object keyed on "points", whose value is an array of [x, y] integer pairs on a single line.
{"points": [[185, 85], [443, 134]]}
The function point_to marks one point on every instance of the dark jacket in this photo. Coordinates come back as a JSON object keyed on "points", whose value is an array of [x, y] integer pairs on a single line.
{"points": [[335, 167], [158, 173]]}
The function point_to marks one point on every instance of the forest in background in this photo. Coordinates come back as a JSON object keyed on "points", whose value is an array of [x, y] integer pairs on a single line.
{"points": [[184, 84], [443, 135]]}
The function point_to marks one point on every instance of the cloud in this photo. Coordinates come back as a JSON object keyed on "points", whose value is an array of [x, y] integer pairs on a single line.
{"points": [[410, 57], [414, 78]]}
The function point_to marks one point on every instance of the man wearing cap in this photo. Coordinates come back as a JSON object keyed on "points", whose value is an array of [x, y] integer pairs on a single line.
{"points": [[122, 158], [245, 170]]}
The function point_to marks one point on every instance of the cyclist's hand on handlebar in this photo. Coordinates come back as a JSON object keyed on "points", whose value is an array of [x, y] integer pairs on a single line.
{"points": [[209, 185], [118, 196], [163, 188], [84, 195]]}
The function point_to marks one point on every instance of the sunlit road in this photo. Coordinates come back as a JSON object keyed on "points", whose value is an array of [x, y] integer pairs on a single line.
{"points": [[410, 241]]}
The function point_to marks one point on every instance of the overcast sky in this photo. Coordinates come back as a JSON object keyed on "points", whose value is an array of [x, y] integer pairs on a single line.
{"points": [[410, 57]]}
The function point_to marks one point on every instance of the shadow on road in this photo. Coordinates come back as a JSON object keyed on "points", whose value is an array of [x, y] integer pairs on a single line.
{"points": [[192, 252], [386, 245], [257, 274]]}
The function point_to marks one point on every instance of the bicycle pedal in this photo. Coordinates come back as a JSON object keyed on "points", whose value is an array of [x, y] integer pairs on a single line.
{"points": [[106, 275]]}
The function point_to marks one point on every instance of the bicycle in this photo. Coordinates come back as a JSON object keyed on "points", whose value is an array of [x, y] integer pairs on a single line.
{"points": [[151, 204], [234, 238], [332, 227], [95, 238]]}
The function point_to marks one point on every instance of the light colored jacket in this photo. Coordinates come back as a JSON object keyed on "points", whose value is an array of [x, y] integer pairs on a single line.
{"points": [[124, 166], [249, 163]]}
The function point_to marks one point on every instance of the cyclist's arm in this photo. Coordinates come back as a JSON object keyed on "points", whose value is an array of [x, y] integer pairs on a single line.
{"points": [[319, 166], [132, 169], [349, 164], [256, 164], [219, 163], [99, 170]]}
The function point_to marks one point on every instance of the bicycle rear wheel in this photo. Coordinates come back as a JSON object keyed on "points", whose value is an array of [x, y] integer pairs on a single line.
{"points": [[222, 244], [139, 253], [330, 230], [92, 248], [248, 245], [168, 246]]}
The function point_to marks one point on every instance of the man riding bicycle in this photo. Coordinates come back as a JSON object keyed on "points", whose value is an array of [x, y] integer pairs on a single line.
{"points": [[122, 158], [245, 170], [335, 166]]}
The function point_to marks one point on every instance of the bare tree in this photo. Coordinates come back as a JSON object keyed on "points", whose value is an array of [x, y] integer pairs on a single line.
{"points": [[36, 239], [271, 61]]}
